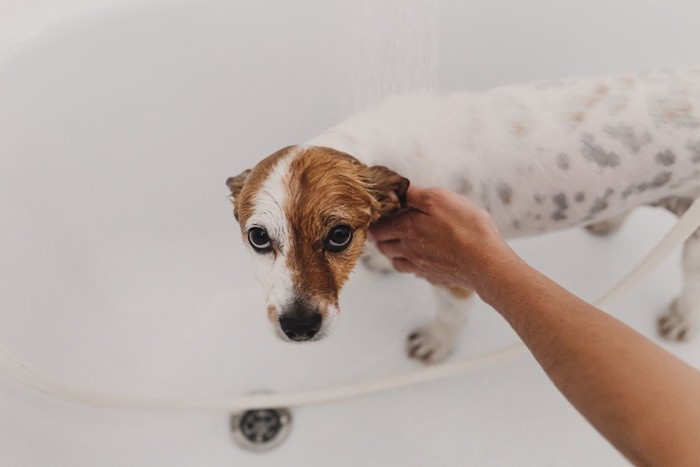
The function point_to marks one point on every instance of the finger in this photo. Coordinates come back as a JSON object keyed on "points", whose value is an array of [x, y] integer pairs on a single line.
{"points": [[415, 198], [403, 265], [388, 229], [392, 248]]}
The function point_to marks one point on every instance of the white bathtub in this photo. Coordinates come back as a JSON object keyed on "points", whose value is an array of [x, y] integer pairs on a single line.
{"points": [[122, 270]]}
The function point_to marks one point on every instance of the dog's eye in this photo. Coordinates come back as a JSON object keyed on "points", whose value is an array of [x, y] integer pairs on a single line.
{"points": [[339, 238], [259, 240]]}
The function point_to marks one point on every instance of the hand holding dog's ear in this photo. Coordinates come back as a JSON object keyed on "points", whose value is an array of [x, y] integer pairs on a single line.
{"points": [[235, 184], [444, 238], [388, 188]]}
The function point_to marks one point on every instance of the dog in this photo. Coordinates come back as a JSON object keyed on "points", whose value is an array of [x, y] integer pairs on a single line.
{"points": [[538, 157]]}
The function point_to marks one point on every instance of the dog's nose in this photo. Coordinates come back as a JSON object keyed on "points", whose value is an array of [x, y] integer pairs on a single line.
{"points": [[301, 327]]}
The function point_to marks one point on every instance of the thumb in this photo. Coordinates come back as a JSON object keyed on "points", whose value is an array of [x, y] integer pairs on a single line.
{"points": [[416, 198]]}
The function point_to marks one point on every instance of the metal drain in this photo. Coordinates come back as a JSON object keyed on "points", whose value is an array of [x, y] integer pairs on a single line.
{"points": [[260, 429]]}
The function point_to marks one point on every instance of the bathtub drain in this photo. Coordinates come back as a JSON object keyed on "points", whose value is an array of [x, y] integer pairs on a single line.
{"points": [[260, 429]]}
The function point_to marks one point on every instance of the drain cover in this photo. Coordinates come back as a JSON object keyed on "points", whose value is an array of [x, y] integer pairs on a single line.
{"points": [[260, 429]]}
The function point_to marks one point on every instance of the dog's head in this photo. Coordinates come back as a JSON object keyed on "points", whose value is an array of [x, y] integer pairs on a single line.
{"points": [[304, 212]]}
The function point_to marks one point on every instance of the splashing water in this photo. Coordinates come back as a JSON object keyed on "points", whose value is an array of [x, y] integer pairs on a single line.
{"points": [[391, 49]]}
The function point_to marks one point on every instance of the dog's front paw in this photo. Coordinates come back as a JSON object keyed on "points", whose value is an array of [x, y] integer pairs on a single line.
{"points": [[606, 227], [431, 343], [678, 323]]}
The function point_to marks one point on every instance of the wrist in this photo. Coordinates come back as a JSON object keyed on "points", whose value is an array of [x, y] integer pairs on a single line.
{"points": [[489, 273]]}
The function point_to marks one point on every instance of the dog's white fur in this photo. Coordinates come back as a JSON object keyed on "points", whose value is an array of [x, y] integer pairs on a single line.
{"points": [[274, 276], [538, 157]]}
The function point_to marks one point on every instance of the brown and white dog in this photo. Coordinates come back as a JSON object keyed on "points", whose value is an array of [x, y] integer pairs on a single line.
{"points": [[538, 157]]}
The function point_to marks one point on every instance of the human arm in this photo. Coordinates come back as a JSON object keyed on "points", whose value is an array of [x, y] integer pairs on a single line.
{"points": [[641, 398]]}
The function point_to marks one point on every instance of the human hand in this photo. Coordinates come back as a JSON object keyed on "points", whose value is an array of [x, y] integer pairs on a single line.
{"points": [[444, 238]]}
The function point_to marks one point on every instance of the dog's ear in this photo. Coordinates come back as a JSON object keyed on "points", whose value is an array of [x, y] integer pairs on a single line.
{"points": [[235, 184], [387, 188]]}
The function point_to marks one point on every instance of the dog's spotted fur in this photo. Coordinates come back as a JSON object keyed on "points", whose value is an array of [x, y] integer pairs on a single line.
{"points": [[538, 157]]}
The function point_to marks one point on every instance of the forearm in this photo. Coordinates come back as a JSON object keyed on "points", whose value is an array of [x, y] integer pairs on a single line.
{"points": [[641, 398], [615, 377]]}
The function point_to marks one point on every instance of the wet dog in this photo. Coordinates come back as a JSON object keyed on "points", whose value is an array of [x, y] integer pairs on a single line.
{"points": [[538, 157]]}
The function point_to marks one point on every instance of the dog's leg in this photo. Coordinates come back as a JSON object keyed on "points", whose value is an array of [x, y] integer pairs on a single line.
{"points": [[680, 321], [374, 260], [608, 226], [433, 342]]}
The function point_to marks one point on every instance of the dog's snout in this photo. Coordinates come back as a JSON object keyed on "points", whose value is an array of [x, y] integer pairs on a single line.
{"points": [[301, 327]]}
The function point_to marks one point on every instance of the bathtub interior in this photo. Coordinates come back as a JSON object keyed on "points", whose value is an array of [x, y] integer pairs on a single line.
{"points": [[122, 270]]}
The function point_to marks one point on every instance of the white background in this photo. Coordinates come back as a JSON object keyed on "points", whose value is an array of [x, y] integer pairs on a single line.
{"points": [[121, 269]]}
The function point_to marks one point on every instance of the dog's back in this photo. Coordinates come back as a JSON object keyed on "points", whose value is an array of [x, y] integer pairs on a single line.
{"points": [[542, 156]]}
